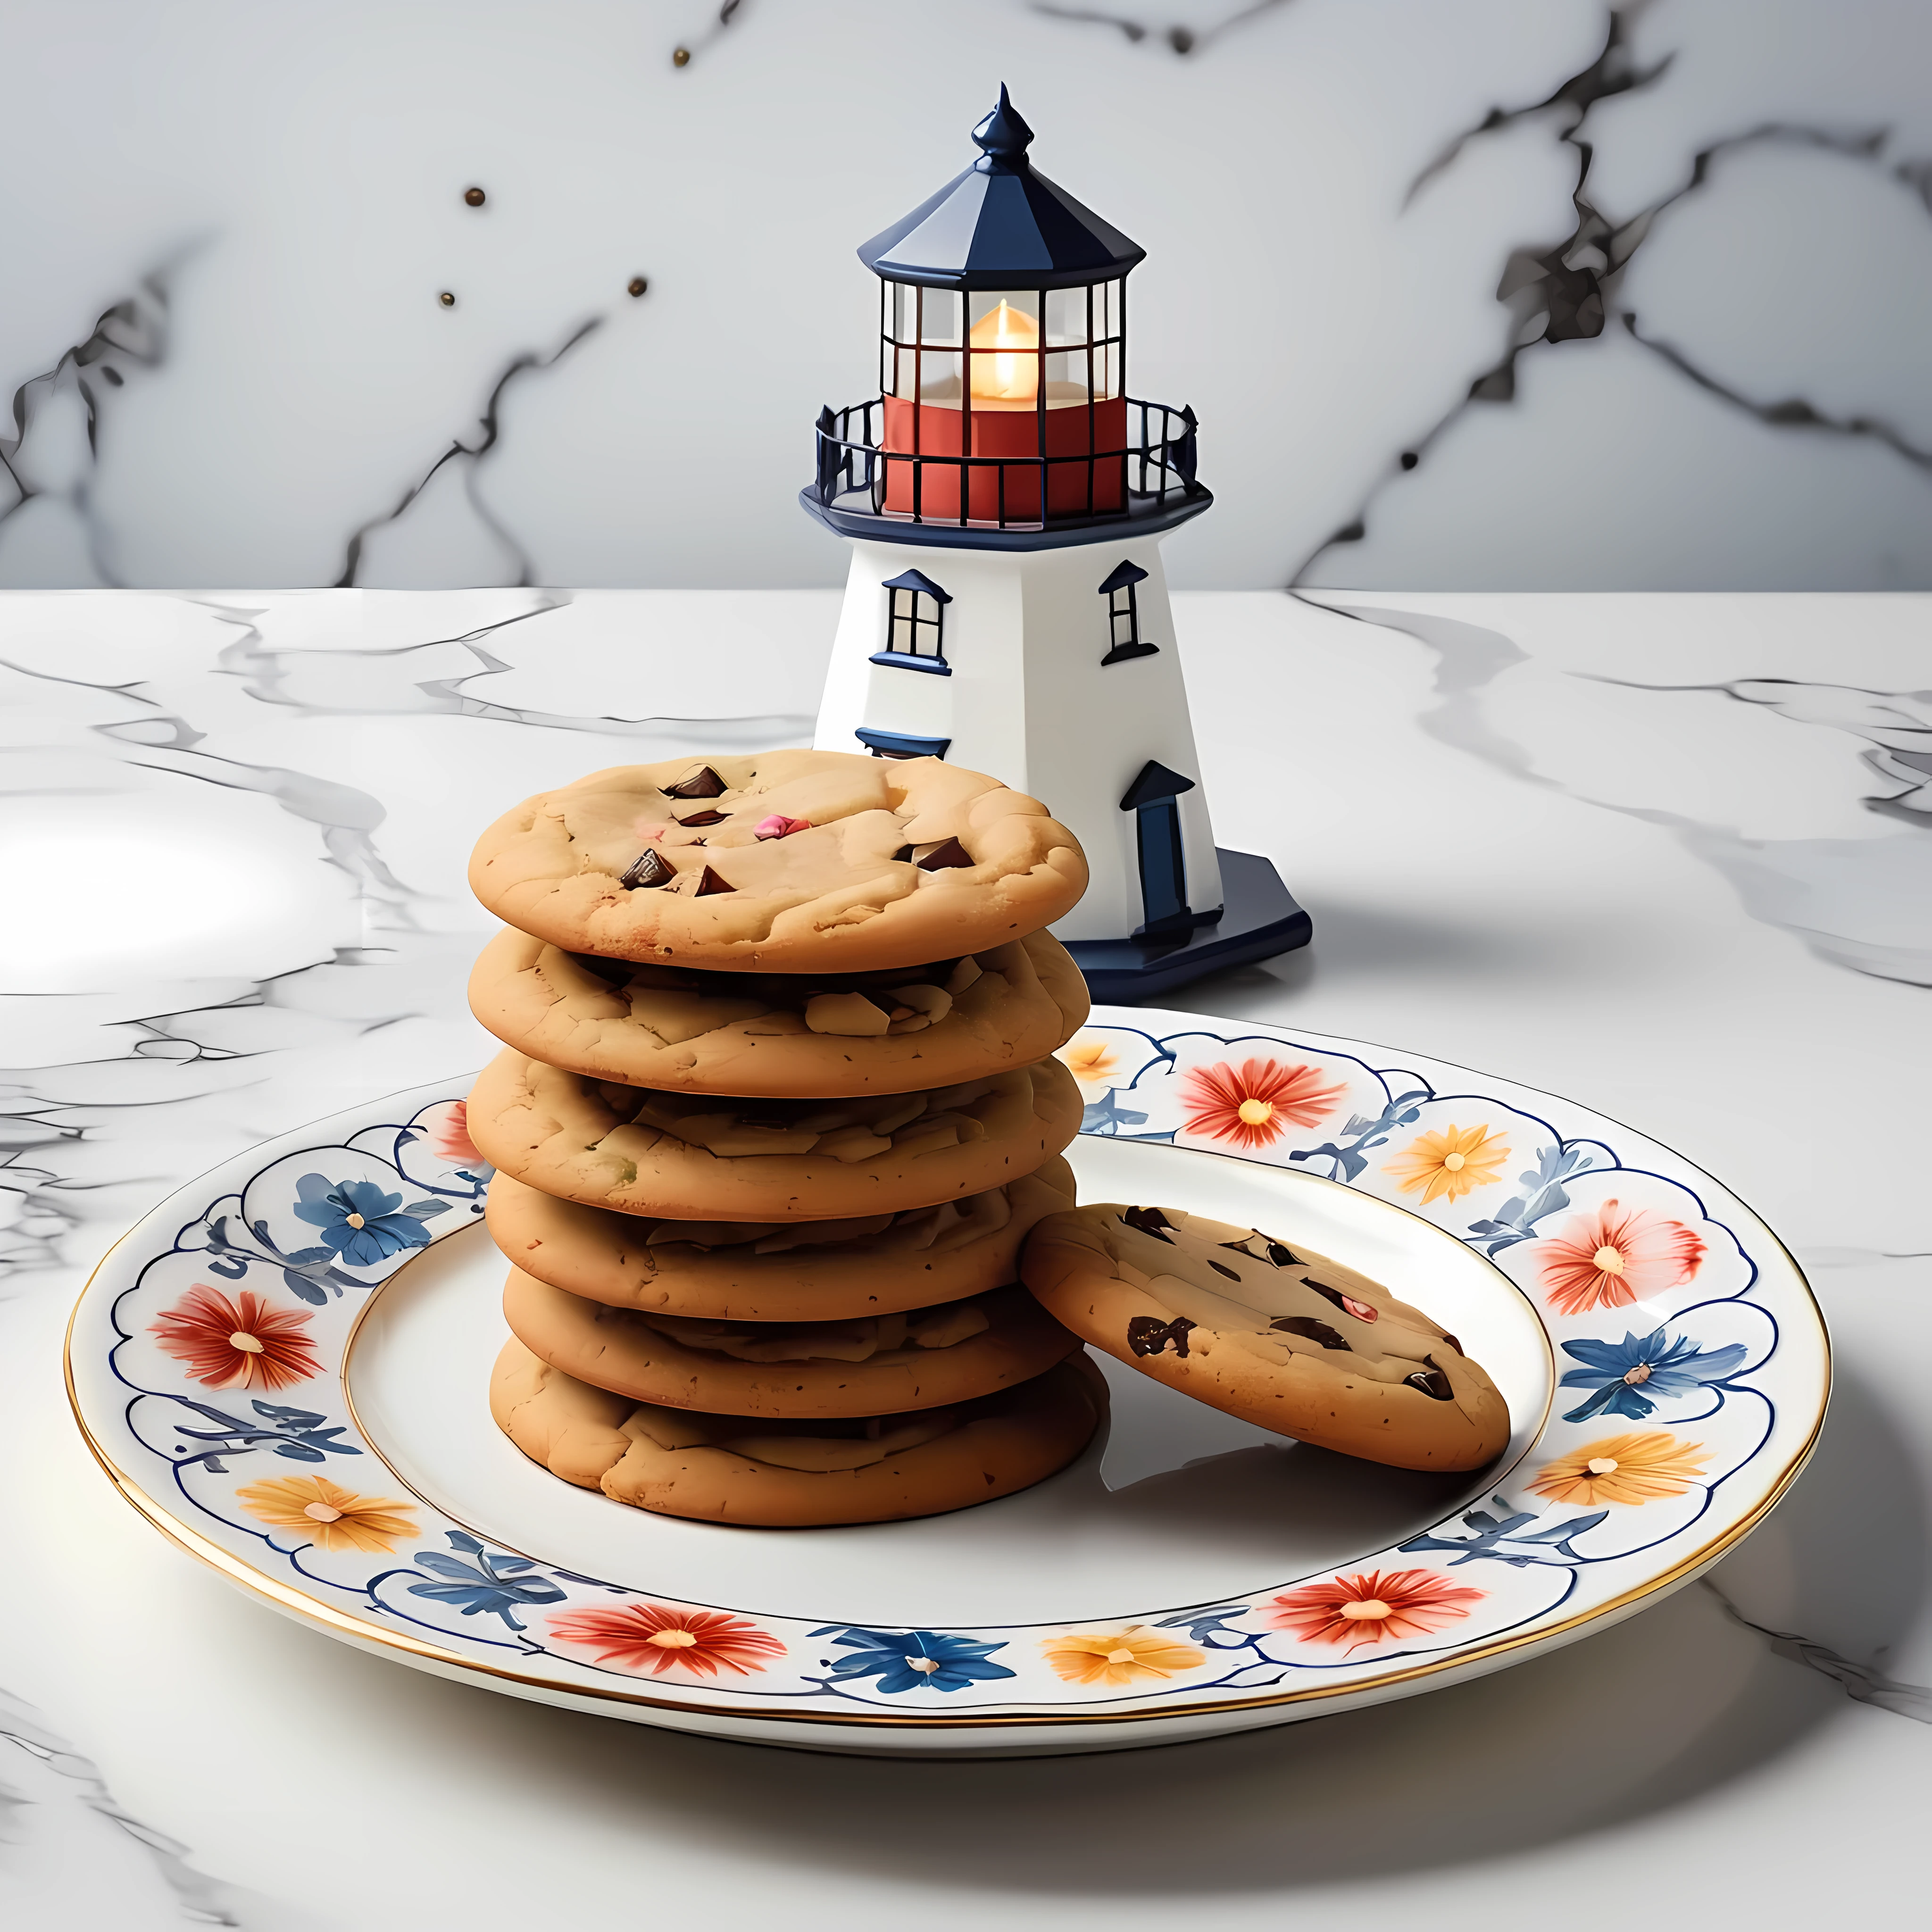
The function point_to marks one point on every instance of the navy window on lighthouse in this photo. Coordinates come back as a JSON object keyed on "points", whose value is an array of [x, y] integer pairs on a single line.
{"points": [[1153, 798], [1123, 615], [916, 624]]}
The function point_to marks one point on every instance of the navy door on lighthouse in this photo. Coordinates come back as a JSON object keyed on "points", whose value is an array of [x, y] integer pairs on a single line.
{"points": [[1153, 798]]}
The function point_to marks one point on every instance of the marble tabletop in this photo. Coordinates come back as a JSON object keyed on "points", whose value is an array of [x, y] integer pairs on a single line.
{"points": [[1669, 855]]}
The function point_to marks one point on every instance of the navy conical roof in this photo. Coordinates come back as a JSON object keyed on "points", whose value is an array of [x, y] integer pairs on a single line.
{"points": [[1001, 225]]}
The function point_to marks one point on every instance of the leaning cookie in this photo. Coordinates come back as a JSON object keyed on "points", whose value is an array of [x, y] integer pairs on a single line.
{"points": [[783, 1034], [736, 1469], [814, 862], [691, 1158], [1281, 1336], [879, 1365], [777, 1271]]}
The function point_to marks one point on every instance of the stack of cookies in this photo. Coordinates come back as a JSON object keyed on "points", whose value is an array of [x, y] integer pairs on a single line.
{"points": [[777, 1109]]}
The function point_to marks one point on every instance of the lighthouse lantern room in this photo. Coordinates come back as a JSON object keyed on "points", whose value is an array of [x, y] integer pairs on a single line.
{"points": [[1004, 499]]}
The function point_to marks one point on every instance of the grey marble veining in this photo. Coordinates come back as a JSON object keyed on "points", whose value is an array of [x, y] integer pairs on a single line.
{"points": [[1865, 1683], [50, 532], [1562, 297], [77, 1857], [466, 541], [1863, 902]]}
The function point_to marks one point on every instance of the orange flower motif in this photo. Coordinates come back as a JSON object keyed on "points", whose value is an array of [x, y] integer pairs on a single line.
{"points": [[1616, 1256], [1447, 1165], [1375, 1607], [1090, 1059], [240, 1344], [1119, 1657], [332, 1517], [1253, 1106], [448, 1129], [1636, 1468], [653, 1637]]}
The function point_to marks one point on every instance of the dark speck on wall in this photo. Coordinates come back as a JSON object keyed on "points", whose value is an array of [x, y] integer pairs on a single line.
{"points": [[474, 196], [637, 285], [682, 58], [447, 300]]}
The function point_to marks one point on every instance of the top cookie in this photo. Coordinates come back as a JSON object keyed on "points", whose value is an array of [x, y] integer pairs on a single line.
{"points": [[818, 862]]}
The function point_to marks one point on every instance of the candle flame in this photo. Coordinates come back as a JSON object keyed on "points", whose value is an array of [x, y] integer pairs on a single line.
{"points": [[1005, 378]]}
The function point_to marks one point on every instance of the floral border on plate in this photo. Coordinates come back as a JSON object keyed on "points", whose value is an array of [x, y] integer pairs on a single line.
{"points": [[226, 1347]]}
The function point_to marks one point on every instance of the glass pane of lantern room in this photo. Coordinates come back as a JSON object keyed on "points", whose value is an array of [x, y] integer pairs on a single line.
{"points": [[941, 318], [983, 302], [939, 323], [1003, 340], [1067, 377], [898, 366], [1066, 312]]}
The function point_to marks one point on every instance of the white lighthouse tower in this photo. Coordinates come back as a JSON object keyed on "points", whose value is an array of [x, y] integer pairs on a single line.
{"points": [[1005, 499]]}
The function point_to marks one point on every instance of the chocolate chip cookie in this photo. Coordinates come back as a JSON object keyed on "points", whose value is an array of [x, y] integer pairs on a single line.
{"points": [[811, 862]]}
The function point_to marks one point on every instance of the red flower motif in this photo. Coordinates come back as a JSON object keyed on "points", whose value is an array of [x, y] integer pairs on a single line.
{"points": [[240, 1344], [1251, 1107], [654, 1637], [1376, 1607], [1616, 1256], [447, 1130]]}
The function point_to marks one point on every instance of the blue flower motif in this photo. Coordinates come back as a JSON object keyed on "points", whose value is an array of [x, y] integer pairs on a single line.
{"points": [[493, 1584], [360, 1222], [904, 1660], [1107, 1116], [1628, 1375]]}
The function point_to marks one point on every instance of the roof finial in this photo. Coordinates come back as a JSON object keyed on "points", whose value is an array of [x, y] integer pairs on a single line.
{"points": [[1003, 136]]}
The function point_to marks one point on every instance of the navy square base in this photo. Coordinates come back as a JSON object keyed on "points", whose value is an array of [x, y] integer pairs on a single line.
{"points": [[1259, 918]]}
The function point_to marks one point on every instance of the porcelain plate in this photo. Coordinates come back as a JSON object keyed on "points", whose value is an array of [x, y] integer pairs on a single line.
{"points": [[298, 1397]]}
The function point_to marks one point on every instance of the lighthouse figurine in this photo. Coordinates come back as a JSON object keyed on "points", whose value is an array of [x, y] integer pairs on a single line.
{"points": [[1004, 499]]}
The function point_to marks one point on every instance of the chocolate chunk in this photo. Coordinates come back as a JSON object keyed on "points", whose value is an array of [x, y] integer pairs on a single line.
{"points": [[648, 869], [946, 858], [1148, 1335], [1220, 1268], [1452, 1341], [1310, 1330], [1280, 1256], [1431, 1381], [902, 855], [1148, 1221], [703, 783], [709, 883], [702, 818]]}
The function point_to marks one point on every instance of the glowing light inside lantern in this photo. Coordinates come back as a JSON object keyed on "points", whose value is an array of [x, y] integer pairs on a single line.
{"points": [[1005, 378]]}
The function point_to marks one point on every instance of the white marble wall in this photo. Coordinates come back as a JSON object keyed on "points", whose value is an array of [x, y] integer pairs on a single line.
{"points": [[227, 225]]}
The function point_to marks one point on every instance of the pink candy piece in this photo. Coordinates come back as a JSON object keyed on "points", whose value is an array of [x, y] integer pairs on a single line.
{"points": [[649, 831], [779, 826]]}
